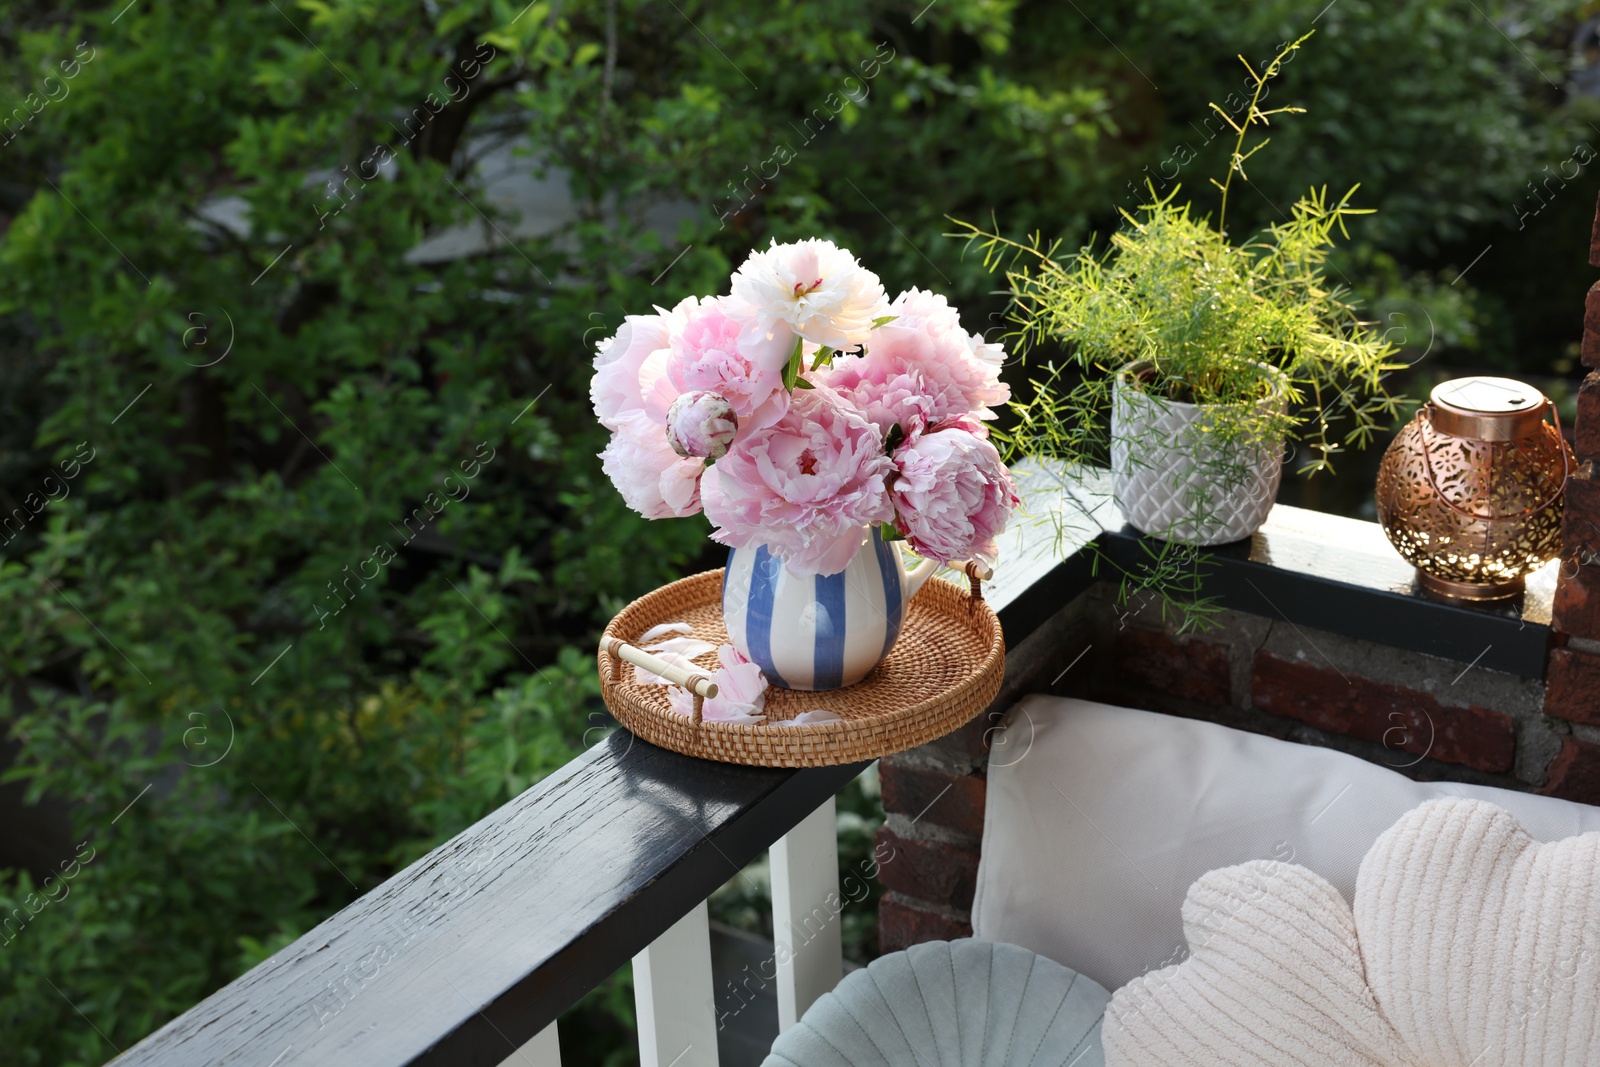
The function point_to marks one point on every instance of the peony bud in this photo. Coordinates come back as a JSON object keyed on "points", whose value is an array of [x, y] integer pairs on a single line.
{"points": [[701, 424]]}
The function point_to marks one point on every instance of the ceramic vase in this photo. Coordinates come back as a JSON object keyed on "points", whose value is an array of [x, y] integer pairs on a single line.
{"points": [[816, 631]]}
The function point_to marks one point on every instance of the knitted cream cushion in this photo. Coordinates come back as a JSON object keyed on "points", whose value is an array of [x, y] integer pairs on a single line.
{"points": [[1482, 945], [1470, 945]]}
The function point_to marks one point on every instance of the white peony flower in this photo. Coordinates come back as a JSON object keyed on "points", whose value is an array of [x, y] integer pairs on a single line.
{"points": [[813, 288], [629, 367]]}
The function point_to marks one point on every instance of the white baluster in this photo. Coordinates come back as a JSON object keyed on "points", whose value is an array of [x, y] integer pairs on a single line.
{"points": [[542, 1050], [805, 913], [673, 997]]}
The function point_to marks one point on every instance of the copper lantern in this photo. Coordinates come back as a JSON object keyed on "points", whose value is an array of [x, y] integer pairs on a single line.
{"points": [[1470, 492]]}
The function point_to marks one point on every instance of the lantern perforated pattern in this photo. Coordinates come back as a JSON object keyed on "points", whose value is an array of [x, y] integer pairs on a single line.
{"points": [[1472, 512]]}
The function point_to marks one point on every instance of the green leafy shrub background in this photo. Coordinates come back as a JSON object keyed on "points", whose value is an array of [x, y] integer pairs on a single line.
{"points": [[168, 635]]}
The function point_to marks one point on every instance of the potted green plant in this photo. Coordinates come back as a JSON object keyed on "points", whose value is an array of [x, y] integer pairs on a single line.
{"points": [[1191, 361]]}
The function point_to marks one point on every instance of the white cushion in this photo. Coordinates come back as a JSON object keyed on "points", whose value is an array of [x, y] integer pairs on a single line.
{"points": [[1100, 818], [1482, 946], [1275, 981], [1469, 944]]}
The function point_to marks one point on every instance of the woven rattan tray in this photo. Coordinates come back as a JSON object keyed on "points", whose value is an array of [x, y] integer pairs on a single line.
{"points": [[945, 667]]}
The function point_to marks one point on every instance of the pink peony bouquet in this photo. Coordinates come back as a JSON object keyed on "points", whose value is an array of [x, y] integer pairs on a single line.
{"points": [[805, 406]]}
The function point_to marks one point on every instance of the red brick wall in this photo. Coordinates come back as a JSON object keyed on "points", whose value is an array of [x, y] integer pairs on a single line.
{"points": [[933, 799], [1403, 719], [1425, 717]]}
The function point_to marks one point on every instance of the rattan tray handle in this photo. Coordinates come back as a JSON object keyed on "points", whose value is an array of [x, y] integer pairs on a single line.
{"points": [[695, 681], [977, 573]]}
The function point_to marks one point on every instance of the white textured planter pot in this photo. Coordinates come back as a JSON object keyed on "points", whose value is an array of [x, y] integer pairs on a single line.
{"points": [[1173, 481]]}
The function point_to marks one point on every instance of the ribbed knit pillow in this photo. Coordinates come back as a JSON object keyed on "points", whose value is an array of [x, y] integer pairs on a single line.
{"points": [[1482, 945], [1470, 945], [1274, 978]]}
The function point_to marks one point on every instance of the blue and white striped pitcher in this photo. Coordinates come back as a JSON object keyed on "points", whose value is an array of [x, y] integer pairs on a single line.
{"points": [[813, 631]]}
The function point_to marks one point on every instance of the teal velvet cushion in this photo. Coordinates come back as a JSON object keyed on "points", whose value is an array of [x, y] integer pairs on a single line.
{"points": [[965, 1003]]}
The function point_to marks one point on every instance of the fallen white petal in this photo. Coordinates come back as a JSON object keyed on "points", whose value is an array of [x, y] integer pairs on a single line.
{"points": [[688, 647], [663, 630], [735, 717], [807, 718]]}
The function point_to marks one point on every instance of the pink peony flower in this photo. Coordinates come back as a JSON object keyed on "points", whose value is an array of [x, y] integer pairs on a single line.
{"points": [[617, 388], [701, 425], [705, 354], [948, 354], [652, 478], [812, 288], [805, 487], [920, 370], [952, 496], [890, 393], [741, 691]]}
